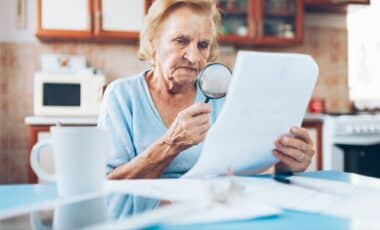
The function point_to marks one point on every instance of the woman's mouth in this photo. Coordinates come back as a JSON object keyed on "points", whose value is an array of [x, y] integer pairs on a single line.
{"points": [[188, 68]]}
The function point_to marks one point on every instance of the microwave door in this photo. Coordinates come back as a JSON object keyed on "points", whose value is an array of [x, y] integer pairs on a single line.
{"points": [[61, 94]]}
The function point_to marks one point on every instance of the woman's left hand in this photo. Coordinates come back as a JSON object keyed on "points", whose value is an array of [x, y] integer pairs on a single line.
{"points": [[294, 151]]}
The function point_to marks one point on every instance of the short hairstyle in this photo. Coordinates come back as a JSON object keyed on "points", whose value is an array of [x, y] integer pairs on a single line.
{"points": [[158, 12]]}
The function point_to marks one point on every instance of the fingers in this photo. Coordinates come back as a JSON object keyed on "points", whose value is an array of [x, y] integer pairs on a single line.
{"points": [[291, 142], [191, 125], [283, 158], [302, 134], [295, 150], [290, 152], [196, 109], [199, 123], [199, 120], [289, 162], [199, 133]]}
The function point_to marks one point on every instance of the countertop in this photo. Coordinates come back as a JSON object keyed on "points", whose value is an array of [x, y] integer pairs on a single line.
{"points": [[312, 117], [48, 120], [45, 120]]}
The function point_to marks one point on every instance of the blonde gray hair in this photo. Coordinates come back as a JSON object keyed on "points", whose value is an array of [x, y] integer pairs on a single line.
{"points": [[158, 12]]}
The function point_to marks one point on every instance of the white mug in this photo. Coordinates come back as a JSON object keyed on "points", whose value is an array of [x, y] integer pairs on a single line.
{"points": [[79, 159]]}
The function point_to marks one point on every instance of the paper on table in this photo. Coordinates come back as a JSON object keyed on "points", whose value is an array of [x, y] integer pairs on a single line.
{"points": [[268, 94], [236, 209], [359, 203], [193, 213], [197, 201]]}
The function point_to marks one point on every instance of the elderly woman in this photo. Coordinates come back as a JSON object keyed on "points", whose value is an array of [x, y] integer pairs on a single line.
{"points": [[157, 118]]}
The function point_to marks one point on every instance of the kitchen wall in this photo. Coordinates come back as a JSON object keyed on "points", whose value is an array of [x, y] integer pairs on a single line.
{"points": [[325, 40]]}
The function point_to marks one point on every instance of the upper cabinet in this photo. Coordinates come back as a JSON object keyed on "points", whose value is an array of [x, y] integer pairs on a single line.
{"points": [[64, 19], [279, 22], [118, 19], [261, 22], [244, 22], [90, 19]]}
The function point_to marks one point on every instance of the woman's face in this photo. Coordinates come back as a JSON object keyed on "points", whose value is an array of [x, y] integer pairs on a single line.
{"points": [[182, 46]]}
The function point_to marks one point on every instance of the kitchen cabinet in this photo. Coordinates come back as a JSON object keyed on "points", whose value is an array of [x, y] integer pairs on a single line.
{"points": [[261, 22], [244, 22], [314, 128], [70, 19], [99, 20], [118, 19]]}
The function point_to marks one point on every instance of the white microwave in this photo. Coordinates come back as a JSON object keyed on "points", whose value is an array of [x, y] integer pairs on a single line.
{"points": [[67, 94]]}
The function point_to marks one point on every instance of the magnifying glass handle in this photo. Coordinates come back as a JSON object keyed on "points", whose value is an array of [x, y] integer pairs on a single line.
{"points": [[207, 99]]}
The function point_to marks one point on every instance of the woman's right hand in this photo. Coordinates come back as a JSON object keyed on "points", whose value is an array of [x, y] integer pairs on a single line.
{"points": [[189, 127]]}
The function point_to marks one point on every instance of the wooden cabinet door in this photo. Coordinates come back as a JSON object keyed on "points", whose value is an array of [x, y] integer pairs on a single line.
{"points": [[238, 25], [68, 19], [118, 19], [279, 23], [315, 132]]}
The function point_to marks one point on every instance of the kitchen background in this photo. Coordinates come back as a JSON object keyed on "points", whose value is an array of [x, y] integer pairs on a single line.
{"points": [[325, 38]]}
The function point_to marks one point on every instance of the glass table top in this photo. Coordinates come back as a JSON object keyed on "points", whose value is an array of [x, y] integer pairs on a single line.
{"points": [[90, 211]]}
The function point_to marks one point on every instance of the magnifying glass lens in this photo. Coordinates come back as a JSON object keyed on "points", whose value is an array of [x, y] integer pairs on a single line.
{"points": [[214, 80]]}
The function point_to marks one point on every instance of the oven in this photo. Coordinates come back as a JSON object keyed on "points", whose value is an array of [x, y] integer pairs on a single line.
{"points": [[352, 144]]}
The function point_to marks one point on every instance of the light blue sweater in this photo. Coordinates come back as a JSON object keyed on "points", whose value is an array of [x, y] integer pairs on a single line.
{"points": [[128, 112]]}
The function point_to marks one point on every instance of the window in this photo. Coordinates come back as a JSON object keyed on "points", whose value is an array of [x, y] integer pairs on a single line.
{"points": [[364, 55]]}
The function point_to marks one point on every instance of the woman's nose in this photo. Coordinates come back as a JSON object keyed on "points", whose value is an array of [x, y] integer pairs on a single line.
{"points": [[192, 54]]}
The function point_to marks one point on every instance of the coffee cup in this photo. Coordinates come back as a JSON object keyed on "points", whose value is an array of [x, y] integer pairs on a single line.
{"points": [[79, 159]]}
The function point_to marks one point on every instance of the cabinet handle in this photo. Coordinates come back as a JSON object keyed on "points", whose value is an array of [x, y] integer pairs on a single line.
{"points": [[98, 16]]}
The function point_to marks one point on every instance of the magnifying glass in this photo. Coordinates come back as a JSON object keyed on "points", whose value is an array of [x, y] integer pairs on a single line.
{"points": [[213, 80]]}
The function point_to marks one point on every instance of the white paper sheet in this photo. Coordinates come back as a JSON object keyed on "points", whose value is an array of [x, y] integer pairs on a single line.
{"points": [[258, 197], [195, 201], [269, 93], [358, 203], [236, 209]]}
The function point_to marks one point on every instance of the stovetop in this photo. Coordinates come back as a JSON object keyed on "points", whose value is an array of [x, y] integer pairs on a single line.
{"points": [[359, 124]]}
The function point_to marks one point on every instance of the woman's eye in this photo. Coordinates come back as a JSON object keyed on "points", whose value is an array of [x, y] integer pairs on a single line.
{"points": [[181, 41], [203, 45]]}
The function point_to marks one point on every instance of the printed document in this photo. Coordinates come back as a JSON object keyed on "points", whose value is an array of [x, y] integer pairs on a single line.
{"points": [[269, 93]]}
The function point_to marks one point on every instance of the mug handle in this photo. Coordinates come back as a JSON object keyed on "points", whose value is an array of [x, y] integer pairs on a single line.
{"points": [[34, 161]]}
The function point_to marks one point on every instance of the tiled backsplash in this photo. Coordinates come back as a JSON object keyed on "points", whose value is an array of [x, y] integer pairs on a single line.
{"points": [[18, 62]]}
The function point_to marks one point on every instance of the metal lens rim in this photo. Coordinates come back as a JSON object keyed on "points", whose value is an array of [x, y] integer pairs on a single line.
{"points": [[200, 74]]}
